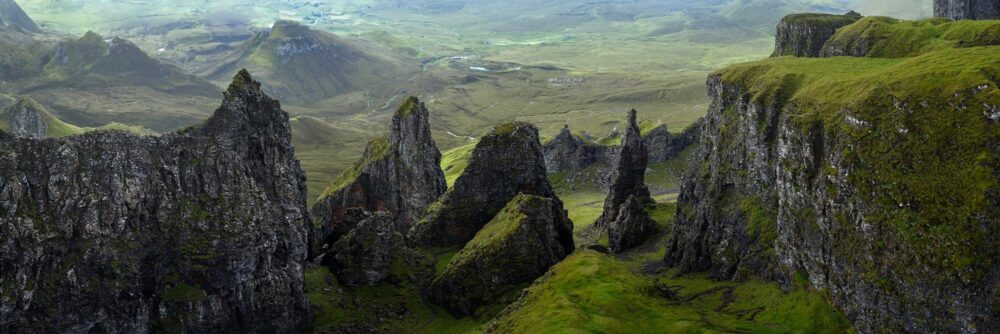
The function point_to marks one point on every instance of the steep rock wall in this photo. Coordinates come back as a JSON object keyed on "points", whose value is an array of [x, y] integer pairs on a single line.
{"points": [[199, 231]]}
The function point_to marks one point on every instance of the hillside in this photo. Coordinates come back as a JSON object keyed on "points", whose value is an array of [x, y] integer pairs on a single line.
{"points": [[13, 19], [91, 81], [28, 118], [303, 66]]}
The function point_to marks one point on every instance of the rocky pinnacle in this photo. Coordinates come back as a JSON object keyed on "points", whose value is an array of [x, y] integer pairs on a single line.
{"points": [[624, 209]]}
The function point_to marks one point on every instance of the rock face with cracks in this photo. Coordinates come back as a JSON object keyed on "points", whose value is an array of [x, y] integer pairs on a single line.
{"points": [[517, 246], [399, 174], [624, 213], [199, 231], [967, 9], [506, 162]]}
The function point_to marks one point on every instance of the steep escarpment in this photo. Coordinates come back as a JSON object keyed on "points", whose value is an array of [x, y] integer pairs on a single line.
{"points": [[967, 9], [203, 230], [803, 35], [517, 246], [400, 174], [624, 214], [506, 162], [879, 186]]}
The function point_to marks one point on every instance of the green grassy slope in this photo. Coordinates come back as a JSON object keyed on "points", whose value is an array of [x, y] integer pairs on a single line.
{"points": [[892, 38], [591, 292], [56, 127]]}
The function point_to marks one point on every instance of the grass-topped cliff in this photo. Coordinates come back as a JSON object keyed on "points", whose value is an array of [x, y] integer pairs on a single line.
{"points": [[885, 37], [887, 163]]}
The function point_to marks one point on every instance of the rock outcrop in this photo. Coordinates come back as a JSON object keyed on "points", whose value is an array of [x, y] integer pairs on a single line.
{"points": [[803, 35], [13, 19], [624, 213], [506, 162], [399, 174], [517, 246], [862, 199], [364, 255], [199, 231], [967, 9], [26, 118], [567, 152], [662, 146]]}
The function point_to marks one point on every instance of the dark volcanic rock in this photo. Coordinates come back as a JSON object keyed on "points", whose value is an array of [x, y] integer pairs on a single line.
{"points": [[26, 118], [624, 213], [201, 231], [519, 245], [662, 146], [505, 163], [967, 9], [848, 203], [364, 254], [13, 19], [803, 35], [400, 174], [568, 152]]}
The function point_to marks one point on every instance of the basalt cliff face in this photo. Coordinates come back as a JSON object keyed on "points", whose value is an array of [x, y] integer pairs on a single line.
{"points": [[803, 35], [967, 9], [880, 187], [200, 231]]}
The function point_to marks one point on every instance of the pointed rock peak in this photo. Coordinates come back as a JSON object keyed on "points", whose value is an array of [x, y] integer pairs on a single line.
{"points": [[409, 105], [91, 36], [243, 82], [853, 13], [246, 108], [633, 124]]}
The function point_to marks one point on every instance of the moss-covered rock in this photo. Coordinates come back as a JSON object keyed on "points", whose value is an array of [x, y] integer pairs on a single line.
{"points": [[507, 162], [527, 237], [876, 178]]}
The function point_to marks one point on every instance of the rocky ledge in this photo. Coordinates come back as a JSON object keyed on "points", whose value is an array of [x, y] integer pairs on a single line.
{"points": [[803, 35]]}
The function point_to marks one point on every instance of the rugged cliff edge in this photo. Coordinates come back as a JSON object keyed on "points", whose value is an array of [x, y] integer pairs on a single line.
{"points": [[879, 186], [967, 9], [803, 35], [199, 231]]}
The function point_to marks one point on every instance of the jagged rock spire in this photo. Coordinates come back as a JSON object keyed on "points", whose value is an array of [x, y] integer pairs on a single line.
{"points": [[624, 209], [399, 174]]}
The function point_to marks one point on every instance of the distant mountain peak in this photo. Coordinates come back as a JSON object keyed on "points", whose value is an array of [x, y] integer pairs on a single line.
{"points": [[13, 18]]}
